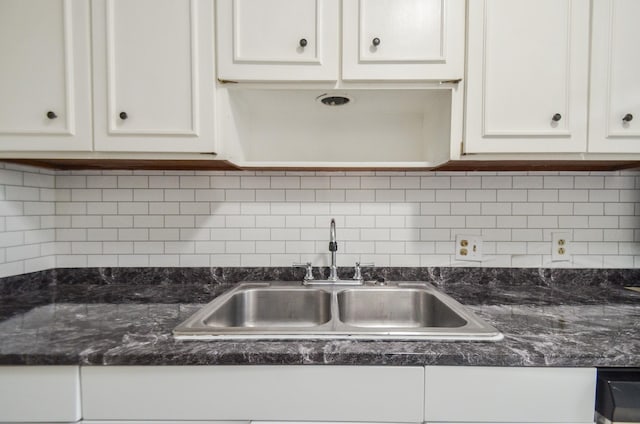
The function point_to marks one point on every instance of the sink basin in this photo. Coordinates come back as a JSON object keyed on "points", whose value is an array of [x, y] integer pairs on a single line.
{"points": [[262, 307], [285, 310], [400, 307]]}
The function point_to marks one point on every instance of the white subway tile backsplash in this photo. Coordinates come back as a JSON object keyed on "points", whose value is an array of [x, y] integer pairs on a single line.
{"points": [[117, 221], [148, 195], [450, 195], [619, 182], [102, 208], [496, 182], [630, 195], [133, 234], [22, 223], [270, 221], [168, 234], [450, 222], [99, 234], [557, 209], [217, 218], [240, 195], [390, 195], [102, 181], [148, 221], [86, 221], [604, 196], [330, 195], [8, 177], [42, 208], [164, 181], [511, 196], [21, 193], [179, 195], [71, 181], [437, 182], [588, 182], [520, 182], [313, 182], [589, 209], [360, 195], [117, 195], [179, 221], [282, 182], [303, 196], [209, 195], [270, 195], [188, 181], [133, 181]]}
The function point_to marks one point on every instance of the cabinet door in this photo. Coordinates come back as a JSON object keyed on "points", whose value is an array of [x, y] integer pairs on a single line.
{"points": [[39, 394], [527, 76], [277, 40], [45, 91], [509, 394], [403, 39], [153, 66], [614, 124]]}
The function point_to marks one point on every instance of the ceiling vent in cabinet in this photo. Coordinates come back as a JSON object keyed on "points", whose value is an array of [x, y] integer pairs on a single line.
{"points": [[333, 100]]}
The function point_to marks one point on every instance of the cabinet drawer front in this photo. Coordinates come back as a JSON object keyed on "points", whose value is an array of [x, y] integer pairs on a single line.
{"points": [[37, 394], [487, 394], [304, 393]]}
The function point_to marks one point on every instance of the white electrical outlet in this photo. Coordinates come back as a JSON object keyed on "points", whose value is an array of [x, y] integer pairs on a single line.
{"points": [[560, 251], [468, 248]]}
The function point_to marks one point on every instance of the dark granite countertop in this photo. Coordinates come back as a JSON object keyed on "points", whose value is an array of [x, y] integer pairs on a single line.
{"points": [[124, 316]]}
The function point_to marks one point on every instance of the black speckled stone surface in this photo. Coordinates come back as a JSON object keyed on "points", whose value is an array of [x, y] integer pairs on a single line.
{"points": [[124, 316]]}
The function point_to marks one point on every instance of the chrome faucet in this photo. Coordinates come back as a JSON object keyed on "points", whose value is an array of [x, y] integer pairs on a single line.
{"points": [[333, 248], [333, 269]]}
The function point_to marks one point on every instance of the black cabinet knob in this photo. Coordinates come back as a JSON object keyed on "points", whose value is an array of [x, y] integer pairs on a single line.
{"points": [[556, 117], [303, 42], [376, 41], [628, 117], [51, 115], [123, 115]]}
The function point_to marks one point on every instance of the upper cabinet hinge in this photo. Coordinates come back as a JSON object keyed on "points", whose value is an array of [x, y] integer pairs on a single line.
{"points": [[451, 81], [223, 81]]}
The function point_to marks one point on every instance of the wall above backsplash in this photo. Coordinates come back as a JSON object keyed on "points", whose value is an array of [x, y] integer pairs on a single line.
{"points": [[217, 218]]}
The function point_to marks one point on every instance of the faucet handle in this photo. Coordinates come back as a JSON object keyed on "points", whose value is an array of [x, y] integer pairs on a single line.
{"points": [[357, 272], [309, 270]]}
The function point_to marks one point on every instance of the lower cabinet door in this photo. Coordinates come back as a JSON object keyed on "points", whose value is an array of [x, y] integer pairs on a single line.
{"points": [[32, 394], [243, 393], [509, 395]]}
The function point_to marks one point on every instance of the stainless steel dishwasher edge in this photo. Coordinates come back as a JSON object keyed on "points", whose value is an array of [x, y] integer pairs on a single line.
{"points": [[618, 396]]}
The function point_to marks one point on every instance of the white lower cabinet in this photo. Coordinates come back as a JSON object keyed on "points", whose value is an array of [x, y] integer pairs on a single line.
{"points": [[336, 394], [32, 394], [243, 393], [509, 395]]}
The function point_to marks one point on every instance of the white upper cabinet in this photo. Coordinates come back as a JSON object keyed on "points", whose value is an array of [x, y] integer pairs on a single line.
{"points": [[154, 70], [527, 85], [278, 40], [298, 40], [614, 121], [45, 84], [403, 39]]}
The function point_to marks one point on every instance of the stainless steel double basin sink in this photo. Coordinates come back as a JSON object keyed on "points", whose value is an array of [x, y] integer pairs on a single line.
{"points": [[287, 310]]}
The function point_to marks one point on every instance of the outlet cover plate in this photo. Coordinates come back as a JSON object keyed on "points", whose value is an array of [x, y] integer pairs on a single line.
{"points": [[468, 248], [560, 247]]}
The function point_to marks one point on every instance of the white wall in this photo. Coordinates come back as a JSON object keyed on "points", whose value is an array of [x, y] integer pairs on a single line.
{"points": [[187, 218]]}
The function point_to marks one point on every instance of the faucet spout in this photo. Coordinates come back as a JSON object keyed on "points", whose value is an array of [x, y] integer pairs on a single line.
{"points": [[333, 248]]}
